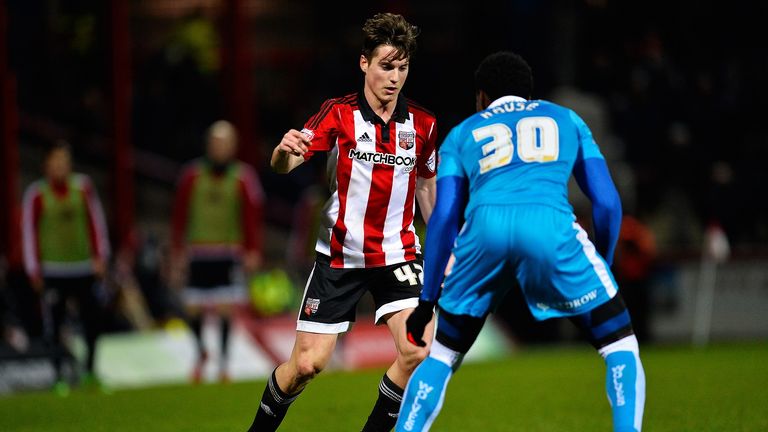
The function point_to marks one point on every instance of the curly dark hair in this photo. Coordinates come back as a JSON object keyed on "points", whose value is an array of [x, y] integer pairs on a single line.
{"points": [[389, 29], [504, 73]]}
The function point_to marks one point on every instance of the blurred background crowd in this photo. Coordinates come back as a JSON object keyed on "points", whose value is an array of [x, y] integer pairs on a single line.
{"points": [[674, 92]]}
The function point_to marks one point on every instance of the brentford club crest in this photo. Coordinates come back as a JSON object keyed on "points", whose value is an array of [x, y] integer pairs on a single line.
{"points": [[309, 133], [311, 305], [406, 139]]}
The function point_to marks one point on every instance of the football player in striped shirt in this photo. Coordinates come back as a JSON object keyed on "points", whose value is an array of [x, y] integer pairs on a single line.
{"points": [[515, 157], [381, 161]]}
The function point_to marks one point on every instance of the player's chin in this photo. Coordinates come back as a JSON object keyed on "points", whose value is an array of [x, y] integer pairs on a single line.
{"points": [[388, 95]]}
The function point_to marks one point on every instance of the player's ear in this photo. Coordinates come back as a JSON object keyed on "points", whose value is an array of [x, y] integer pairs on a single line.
{"points": [[363, 63], [481, 100]]}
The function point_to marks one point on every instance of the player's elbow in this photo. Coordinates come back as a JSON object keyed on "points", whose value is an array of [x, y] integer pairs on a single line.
{"points": [[279, 165], [280, 169], [608, 205], [283, 163]]}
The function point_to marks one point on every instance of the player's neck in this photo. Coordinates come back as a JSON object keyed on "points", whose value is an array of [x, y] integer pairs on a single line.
{"points": [[382, 109]]}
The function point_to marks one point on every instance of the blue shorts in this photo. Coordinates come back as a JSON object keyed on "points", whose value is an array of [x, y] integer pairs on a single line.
{"points": [[559, 270]]}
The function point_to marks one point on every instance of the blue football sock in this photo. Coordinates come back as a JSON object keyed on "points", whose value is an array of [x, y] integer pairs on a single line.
{"points": [[625, 384], [424, 396]]}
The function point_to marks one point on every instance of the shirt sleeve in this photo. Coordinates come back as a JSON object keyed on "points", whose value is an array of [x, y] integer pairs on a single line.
{"points": [[594, 179], [427, 163], [449, 162], [30, 216], [253, 206], [322, 128], [442, 230], [180, 211], [97, 223], [588, 148], [443, 225]]}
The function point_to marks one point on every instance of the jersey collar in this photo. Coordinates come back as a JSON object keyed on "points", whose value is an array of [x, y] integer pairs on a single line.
{"points": [[506, 99], [400, 115]]}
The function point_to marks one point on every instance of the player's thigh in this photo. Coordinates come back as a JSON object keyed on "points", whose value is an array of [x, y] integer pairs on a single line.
{"points": [[330, 298], [481, 273], [224, 309], [481, 269], [395, 288], [193, 309], [559, 270]]}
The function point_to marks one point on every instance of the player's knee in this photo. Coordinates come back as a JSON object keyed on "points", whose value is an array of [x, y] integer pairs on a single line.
{"points": [[307, 368], [627, 343], [412, 357]]}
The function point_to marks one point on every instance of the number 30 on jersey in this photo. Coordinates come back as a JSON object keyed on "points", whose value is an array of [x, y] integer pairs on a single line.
{"points": [[537, 141]]}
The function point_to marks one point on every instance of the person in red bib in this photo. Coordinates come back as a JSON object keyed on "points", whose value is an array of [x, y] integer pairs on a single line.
{"points": [[66, 248], [216, 234], [381, 161]]}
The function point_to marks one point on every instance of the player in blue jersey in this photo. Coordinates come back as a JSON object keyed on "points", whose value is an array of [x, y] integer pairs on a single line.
{"points": [[513, 160]]}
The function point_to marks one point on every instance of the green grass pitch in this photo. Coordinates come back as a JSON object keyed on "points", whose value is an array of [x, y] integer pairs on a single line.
{"points": [[722, 388]]}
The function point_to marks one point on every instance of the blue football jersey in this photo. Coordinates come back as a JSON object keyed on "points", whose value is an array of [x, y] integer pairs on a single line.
{"points": [[517, 152]]}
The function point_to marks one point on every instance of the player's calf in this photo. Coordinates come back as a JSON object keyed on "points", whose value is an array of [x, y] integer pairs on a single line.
{"points": [[625, 384], [310, 355], [273, 406], [426, 388], [424, 395], [609, 329], [385, 411], [391, 387]]}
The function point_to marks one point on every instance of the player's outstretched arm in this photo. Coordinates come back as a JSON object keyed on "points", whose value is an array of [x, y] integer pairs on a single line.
{"points": [[594, 179], [290, 152]]}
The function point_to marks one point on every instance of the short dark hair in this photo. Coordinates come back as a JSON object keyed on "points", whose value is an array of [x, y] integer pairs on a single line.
{"points": [[57, 145], [389, 29], [504, 73]]}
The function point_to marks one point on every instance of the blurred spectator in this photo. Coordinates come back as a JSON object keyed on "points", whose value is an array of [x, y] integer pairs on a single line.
{"points": [[65, 253], [635, 256], [216, 235]]}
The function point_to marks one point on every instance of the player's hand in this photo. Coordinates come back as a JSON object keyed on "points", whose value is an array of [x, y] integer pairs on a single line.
{"points": [[251, 261], [294, 142], [177, 269], [417, 321], [16, 338], [99, 268], [37, 284]]}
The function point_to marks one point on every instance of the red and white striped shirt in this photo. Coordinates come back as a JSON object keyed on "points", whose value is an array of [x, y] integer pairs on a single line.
{"points": [[372, 168]]}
